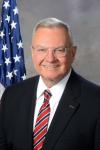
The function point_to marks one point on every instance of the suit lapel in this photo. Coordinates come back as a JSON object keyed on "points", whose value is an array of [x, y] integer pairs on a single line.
{"points": [[28, 103], [67, 107], [32, 108]]}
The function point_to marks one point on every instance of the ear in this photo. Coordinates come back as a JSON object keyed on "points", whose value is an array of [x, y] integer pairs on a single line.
{"points": [[31, 50], [73, 51], [32, 54]]}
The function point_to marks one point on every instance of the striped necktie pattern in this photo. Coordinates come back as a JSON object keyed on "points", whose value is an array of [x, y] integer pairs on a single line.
{"points": [[42, 122]]}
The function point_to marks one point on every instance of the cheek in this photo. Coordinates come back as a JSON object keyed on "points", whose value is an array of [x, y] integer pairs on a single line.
{"points": [[36, 61], [35, 58], [66, 64]]}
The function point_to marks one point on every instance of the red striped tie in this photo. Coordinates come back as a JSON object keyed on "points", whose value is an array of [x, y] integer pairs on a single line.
{"points": [[42, 122]]}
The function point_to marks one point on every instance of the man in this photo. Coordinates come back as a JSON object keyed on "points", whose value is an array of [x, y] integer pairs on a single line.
{"points": [[64, 117]]}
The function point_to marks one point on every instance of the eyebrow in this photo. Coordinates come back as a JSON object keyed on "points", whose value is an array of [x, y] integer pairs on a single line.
{"points": [[41, 46]]}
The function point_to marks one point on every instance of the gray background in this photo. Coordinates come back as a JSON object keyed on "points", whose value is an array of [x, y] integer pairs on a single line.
{"points": [[83, 16]]}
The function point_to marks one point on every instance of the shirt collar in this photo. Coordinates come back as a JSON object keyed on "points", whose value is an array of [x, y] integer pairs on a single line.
{"points": [[41, 87], [57, 87]]}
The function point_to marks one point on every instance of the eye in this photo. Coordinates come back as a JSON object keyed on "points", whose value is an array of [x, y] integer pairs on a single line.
{"points": [[60, 50], [41, 50]]}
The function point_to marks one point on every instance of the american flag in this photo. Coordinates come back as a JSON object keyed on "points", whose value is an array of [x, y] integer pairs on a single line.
{"points": [[12, 67]]}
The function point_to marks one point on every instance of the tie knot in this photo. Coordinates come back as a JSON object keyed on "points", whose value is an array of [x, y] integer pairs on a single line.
{"points": [[47, 95]]}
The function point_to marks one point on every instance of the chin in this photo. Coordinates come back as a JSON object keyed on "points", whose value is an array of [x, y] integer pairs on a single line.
{"points": [[53, 78]]}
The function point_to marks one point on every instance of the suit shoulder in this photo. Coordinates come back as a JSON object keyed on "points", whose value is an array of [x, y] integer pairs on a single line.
{"points": [[85, 85], [28, 83], [88, 83], [89, 89], [85, 81], [17, 91]]}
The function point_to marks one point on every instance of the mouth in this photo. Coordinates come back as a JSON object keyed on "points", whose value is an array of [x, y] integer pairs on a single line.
{"points": [[50, 67]]}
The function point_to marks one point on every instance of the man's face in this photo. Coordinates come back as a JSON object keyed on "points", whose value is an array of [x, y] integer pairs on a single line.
{"points": [[50, 67]]}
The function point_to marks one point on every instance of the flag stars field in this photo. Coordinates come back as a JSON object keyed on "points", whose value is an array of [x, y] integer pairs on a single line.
{"points": [[12, 69], [9, 75], [7, 18], [2, 34], [15, 72], [23, 77], [7, 61], [6, 4], [20, 45], [17, 58], [4, 48], [13, 25], [15, 11]]}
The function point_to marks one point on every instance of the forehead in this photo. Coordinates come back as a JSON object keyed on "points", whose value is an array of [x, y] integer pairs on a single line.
{"points": [[54, 34]]}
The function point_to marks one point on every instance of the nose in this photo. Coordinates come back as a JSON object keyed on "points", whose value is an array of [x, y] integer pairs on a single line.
{"points": [[50, 57]]}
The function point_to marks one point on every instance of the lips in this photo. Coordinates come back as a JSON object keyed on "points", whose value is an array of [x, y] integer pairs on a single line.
{"points": [[50, 67]]}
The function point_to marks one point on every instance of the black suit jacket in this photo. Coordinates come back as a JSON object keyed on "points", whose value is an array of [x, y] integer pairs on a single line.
{"points": [[75, 126]]}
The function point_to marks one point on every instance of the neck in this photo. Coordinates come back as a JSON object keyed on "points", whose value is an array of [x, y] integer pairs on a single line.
{"points": [[50, 83]]}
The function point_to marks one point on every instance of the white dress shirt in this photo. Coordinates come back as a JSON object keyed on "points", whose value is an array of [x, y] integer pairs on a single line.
{"points": [[56, 91]]}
